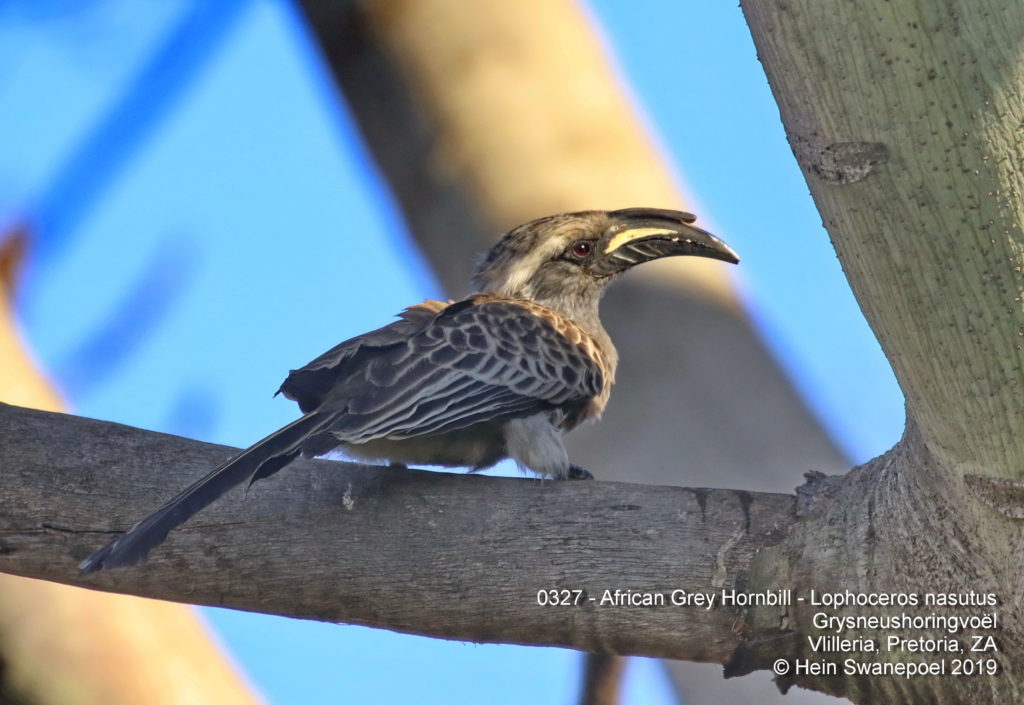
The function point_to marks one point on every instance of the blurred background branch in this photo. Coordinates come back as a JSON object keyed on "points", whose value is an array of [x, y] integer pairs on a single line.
{"points": [[61, 645]]}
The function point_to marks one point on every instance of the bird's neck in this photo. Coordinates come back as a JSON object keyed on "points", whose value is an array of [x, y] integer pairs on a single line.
{"points": [[581, 310], [584, 312]]}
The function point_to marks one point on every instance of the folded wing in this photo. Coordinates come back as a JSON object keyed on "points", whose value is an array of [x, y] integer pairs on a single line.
{"points": [[477, 360], [438, 368]]}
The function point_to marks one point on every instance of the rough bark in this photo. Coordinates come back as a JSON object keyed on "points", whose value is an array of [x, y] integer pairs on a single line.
{"points": [[899, 524], [339, 542], [905, 119], [906, 124]]}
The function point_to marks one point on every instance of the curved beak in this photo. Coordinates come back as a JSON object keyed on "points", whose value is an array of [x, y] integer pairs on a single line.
{"points": [[639, 235]]}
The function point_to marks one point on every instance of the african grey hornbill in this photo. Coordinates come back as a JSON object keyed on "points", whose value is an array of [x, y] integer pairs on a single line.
{"points": [[500, 374]]}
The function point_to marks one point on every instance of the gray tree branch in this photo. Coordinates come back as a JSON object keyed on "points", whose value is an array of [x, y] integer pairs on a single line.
{"points": [[441, 555]]}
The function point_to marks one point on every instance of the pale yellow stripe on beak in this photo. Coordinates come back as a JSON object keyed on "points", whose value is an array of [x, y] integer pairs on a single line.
{"points": [[634, 233]]}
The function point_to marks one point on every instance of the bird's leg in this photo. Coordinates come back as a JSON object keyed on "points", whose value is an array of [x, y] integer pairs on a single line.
{"points": [[578, 473]]}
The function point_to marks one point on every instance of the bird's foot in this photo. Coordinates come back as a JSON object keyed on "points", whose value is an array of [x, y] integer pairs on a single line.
{"points": [[397, 466], [578, 473]]}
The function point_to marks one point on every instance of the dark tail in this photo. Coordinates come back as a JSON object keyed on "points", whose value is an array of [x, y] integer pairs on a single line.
{"points": [[258, 461]]}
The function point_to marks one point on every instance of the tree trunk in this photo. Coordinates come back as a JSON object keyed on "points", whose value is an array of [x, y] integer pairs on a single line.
{"points": [[905, 119]]}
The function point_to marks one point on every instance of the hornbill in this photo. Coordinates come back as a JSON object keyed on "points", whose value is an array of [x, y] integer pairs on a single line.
{"points": [[503, 373]]}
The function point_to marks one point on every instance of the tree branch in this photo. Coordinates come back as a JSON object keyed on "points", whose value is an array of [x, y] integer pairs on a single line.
{"points": [[602, 679], [906, 124], [435, 554]]}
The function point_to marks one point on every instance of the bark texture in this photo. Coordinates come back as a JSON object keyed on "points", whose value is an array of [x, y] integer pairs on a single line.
{"points": [[905, 119], [364, 545], [906, 123]]}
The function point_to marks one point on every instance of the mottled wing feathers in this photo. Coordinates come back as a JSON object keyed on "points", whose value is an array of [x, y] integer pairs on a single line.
{"points": [[309, 384], [440, 367], [480, 359]]}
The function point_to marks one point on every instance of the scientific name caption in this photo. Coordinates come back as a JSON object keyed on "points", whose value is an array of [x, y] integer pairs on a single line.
{"points": [[898, 634]]}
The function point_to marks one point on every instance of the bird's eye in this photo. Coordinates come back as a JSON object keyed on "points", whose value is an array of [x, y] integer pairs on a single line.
{"points": [[581, 249]]}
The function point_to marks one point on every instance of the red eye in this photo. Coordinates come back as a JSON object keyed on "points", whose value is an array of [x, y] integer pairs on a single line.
{"points": [[581, 249]]}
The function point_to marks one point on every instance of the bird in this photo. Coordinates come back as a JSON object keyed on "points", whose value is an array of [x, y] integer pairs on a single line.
{"points": [[502, 373]]}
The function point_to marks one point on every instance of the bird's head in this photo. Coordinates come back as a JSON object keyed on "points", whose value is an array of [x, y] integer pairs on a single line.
{"points": [[574, 255]]}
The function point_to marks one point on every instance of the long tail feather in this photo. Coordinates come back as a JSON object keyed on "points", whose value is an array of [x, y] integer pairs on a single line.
{"points": [[258, 461]]}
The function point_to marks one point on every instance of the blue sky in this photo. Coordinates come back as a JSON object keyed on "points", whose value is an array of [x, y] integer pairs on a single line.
{"points": [[199, 190]]}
